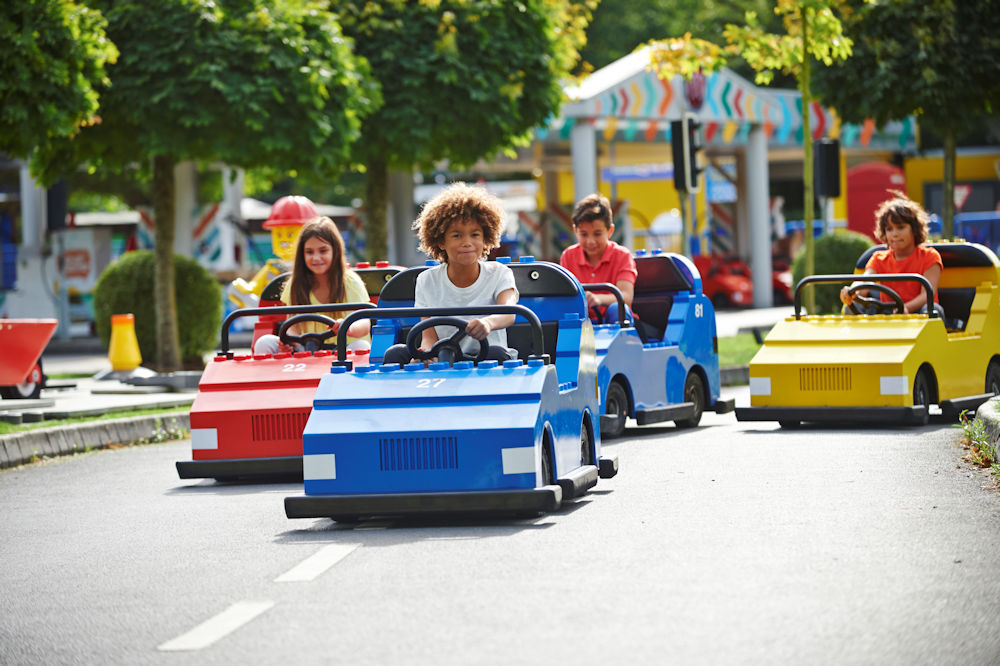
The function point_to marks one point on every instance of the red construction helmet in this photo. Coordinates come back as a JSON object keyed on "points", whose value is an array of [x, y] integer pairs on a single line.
{"points": [[291, 210]]}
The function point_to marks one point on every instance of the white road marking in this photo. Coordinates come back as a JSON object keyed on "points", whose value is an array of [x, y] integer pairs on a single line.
{"points": [[217, 627], [317, 563]]}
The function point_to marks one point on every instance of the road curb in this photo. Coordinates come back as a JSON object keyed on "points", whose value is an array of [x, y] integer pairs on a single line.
{"points": [[22, 447], [990, 416]]}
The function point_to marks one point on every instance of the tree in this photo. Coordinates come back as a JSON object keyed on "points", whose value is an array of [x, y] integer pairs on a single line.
{"points": [[812, 31], [944, 67], [247, 82], [460, 79], [54, 54], [620, 26]]}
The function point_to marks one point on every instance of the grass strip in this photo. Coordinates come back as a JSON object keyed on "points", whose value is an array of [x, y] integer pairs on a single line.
{"points": [[9, 428], [737, 349]]}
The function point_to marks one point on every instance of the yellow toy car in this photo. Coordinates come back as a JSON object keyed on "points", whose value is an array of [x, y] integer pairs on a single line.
{"points": [[886, 367]]}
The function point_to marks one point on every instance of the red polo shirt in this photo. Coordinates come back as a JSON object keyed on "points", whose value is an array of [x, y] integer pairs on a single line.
{"points": [[616, 264]]}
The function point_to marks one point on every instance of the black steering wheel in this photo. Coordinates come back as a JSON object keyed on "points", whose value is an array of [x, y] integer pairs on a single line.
{"points": [[449, 349], [309, 341], [881, 307]]}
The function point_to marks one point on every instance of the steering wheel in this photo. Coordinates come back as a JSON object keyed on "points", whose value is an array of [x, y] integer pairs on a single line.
{"points": [[881, 307], [309, 341], [448, 349]]}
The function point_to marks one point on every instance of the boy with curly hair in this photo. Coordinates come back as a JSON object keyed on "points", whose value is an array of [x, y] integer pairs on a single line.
{"points": [[459, 227]]}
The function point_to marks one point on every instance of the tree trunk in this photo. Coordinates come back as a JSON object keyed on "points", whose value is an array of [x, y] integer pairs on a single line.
{"points": [[807, 162], [376, 194], [167, 340], [948, 186]]}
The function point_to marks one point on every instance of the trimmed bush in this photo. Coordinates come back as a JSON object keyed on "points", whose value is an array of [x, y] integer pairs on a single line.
{"points": [[835, 253], [127, 286]]}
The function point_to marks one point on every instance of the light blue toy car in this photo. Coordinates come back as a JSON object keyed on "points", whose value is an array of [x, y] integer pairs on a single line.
{"points": [[518, 437], [666, 367]]}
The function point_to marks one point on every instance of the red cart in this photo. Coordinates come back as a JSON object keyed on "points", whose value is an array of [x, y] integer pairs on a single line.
{"points": [[22, 342]]}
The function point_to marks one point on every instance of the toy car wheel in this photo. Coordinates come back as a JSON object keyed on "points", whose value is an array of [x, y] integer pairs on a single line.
{"points": [[548, 478], [616, 405], [922, 388], [586, 444], [694, 392], [993, 377], [29, 389]]}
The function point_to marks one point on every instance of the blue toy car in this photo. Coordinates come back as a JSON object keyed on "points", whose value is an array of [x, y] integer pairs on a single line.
{"points": [[666, 368], [464, 437]]}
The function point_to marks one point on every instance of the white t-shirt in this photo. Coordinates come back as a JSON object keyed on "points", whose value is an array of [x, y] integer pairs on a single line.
{"points": [[435, 290]]}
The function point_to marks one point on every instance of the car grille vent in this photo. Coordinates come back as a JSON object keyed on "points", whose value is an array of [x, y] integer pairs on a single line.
{"points": [[278, 426], [836, 378], [409, 454]]}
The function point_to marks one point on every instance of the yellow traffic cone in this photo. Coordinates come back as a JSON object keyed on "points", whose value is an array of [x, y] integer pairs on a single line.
{"points": [[123, 352]]}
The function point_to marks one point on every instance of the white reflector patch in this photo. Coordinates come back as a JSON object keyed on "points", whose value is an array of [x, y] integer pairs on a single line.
{"points": [[518, 461], [760, 386], [319, 467], [204, 438], [894, 385]]}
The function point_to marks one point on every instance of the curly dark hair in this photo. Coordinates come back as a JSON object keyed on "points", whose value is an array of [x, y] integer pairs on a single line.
{"points": [[591, 208], [902, 210], [458, 202]]}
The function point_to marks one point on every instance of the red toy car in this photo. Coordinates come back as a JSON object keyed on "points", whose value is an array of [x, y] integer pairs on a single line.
{"points": [[22, 342], [726, 282], [250, 411]]}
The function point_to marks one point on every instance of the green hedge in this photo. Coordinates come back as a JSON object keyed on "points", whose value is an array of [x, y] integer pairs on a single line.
{"points": [[126, 286], [835, 253]]}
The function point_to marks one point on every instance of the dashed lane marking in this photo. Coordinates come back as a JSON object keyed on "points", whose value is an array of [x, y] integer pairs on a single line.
{"points": [[217, 627], [317, 563]]}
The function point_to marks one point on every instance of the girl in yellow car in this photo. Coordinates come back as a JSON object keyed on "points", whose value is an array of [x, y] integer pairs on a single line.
{"points": [[902, 225]]}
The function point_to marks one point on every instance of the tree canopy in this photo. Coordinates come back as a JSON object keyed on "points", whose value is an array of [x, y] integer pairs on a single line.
{"points": [[811, 31], [939, 60], [620, 26], [243, 81], [54, 54], [246, 82], [460, 80]]}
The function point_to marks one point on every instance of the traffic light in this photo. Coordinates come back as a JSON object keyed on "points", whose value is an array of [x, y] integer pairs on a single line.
{"points": [[685, 139]]}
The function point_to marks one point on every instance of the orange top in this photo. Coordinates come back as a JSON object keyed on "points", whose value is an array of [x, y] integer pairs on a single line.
{"points": [[923, 257]]}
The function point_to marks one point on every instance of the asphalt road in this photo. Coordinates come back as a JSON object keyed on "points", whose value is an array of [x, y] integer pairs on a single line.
{"points": [[729, 543]]}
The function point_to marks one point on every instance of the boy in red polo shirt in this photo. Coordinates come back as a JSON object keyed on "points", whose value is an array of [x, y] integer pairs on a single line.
{"points": [[902, 225], [597, 258]]}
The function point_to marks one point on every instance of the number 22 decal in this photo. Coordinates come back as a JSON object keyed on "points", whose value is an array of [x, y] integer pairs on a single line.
{"points": [[293, 367]]}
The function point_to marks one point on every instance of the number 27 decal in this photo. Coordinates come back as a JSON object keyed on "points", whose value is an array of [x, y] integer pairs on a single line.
{"points": [[430, 383]]}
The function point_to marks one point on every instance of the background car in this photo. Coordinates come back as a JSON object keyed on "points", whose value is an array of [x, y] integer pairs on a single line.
{"points": [[666, 367], [856, 368]]}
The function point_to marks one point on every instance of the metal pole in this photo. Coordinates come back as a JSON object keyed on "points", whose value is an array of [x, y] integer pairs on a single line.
{"points": [[693, 205]]}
